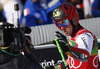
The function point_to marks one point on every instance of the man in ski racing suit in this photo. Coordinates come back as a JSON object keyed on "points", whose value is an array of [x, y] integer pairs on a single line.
{"points": [[82, 48]]}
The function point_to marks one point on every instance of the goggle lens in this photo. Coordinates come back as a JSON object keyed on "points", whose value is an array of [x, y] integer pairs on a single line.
{"points": [[62, 23]]}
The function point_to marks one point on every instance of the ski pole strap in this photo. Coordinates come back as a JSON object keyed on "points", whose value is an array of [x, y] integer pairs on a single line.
{"points": [[61, 52]]}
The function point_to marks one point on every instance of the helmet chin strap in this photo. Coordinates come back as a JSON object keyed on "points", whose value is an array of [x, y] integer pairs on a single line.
{"points": [[75, 28]]}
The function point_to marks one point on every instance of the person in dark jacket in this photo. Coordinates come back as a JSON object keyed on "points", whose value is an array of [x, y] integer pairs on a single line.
{"points": [[18, 61]]}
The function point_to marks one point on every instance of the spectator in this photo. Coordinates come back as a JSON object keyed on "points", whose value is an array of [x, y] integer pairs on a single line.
{"points": [[8, 10], [87, 8], [39, 12], [95, 11]]}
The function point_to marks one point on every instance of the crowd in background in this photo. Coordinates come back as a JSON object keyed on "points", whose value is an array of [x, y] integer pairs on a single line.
{"points": [[39, 12]]}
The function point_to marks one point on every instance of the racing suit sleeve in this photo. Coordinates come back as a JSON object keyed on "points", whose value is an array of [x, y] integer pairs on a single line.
{"points": [[83, 47]]}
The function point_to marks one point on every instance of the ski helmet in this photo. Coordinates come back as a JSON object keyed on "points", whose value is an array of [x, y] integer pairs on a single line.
{"points": [[64, 14]]}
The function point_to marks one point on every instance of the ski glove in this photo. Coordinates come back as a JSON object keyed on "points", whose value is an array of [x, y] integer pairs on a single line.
{"points": [[62, 41]]}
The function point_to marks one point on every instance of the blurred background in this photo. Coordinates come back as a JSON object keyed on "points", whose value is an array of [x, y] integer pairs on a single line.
{"points": [[37, 14], [40, 11]]}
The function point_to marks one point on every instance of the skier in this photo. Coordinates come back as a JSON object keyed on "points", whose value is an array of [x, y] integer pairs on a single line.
{"points": [[82, 48]]}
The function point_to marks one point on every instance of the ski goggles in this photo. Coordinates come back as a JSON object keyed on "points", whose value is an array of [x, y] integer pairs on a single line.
{"points": [[62, 23]]}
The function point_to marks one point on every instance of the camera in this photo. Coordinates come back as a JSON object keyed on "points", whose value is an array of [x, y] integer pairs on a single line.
{"points": [[12, 39]]}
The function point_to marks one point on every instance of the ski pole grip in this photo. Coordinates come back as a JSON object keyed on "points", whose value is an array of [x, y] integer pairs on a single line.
{"points": [[57, 43]]}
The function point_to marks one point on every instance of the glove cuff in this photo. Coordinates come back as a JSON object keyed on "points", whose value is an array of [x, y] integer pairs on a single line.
{"points": [[65, 48]]}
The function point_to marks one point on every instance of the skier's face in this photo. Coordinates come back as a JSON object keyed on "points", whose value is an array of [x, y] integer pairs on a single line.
{"points": [[67, 30]]}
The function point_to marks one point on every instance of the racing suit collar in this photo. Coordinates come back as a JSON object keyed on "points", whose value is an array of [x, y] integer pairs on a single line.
{"points": [[75, 30]]}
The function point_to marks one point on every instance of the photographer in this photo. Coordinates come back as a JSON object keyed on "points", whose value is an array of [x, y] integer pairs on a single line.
{"points": [[10, 53]]}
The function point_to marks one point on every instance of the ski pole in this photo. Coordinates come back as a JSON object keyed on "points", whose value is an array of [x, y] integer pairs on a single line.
{"points": [[61, 52]]}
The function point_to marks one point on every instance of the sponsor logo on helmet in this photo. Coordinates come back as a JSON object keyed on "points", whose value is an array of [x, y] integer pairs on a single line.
{"points": [[55, 12]]}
